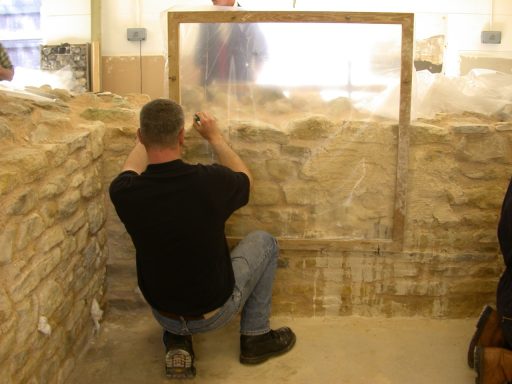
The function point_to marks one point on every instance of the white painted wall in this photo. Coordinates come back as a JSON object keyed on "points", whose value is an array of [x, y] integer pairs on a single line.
{"points": [[66, 21], [461, 21]]}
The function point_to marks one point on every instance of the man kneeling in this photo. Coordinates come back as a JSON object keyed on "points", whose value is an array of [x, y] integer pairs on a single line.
{"points": [[175, 213]]}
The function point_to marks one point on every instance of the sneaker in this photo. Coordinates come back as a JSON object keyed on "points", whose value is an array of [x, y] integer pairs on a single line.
{"points": [[179, 356], [257, 349]]}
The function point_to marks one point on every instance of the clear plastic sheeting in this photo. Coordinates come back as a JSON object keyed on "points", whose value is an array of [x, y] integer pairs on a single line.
{"points": [[234, 64], [291, 98], [481, 91], [313, 111]]}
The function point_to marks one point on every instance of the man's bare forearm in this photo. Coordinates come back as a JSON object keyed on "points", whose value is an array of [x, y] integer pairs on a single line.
{"points": [[137, 160], [206, 125], [6, 73], [228, 157]]}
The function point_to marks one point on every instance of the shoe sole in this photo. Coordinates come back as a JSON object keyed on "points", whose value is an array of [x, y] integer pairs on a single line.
{"points": [[484, 316], [263, 358], [479, 363], [179, 364]]}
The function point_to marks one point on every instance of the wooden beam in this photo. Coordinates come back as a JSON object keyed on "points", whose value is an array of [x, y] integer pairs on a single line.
{"points": [[173, 57], [95, 56]]}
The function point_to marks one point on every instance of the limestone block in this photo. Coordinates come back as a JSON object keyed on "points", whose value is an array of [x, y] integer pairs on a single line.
{"points": [[68, 246], [50, 260], [266, 193], [505, 113], [302, 194], [77, 140], [49, 212], [92, 185], [254, 153], [91, 252], [84, 158], [70, 166], [55, 118], [50, 238], [51, 132], [503, 126], [78, 311], [23, 202], [27, 313], [77, 180], [120, 138], [65, 370], [109, 115], [469, 128], [257, 132], [423, 133], [472, 286], [48, 133], [455, 194], [81, 237], [31, 162], [5, 130], [16, 108], [444, 214], [485, 197], [68, 203], [7, 345], [9, 179], [7, 237], [97, 130], [489, 148], [282, 169], [53, 187], [312, 128], [197, 150], [296, 151], [56, 153], [415, 287], [50, 296], [96, 216], [77, 222], [6, 308], [29, 229]]}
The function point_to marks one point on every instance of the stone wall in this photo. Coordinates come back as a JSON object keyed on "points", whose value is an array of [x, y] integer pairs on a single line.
{"points": [[52, 241], [321, 182], [332, 182]]}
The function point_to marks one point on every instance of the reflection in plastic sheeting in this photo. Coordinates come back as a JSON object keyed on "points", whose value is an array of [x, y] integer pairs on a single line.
{"points": [[293, 99]]}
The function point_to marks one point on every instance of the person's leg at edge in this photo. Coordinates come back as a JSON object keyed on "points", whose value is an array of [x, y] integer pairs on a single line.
{"points": [[254, 264]]}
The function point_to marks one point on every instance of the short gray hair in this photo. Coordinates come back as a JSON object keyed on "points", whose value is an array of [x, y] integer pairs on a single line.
{"points": [[160, 123]]}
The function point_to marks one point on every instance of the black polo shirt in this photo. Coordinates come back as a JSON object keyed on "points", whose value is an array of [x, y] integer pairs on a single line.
{"points": [[504, 291], [175, 214]]}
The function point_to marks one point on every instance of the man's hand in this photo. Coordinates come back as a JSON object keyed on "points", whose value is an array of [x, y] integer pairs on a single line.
{"points": [[207, 128], [6, 73]]}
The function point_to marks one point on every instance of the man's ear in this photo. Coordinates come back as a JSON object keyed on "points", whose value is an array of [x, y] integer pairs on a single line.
{"points": [[139, 136], [181, 136]]}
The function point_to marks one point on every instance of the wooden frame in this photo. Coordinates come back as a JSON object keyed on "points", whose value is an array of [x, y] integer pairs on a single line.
{"points": [[406, 20]]}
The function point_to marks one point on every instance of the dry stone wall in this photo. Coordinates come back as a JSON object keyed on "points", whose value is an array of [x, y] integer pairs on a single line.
{"points": [[53, 239], [319, 180]]}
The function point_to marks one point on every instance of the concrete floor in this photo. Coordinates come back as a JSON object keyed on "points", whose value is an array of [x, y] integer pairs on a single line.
{"points": [[348, 350]]}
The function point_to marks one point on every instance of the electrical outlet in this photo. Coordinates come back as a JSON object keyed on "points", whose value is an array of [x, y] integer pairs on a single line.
{"points": [[491, 37], [136, 34]]}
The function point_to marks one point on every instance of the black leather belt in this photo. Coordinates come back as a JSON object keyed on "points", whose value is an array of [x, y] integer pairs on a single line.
{"points": [[180, 317]]}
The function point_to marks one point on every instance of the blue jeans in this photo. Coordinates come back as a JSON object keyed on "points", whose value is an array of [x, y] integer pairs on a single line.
{"points": [[254, 262]]}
